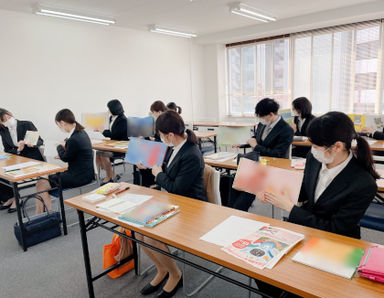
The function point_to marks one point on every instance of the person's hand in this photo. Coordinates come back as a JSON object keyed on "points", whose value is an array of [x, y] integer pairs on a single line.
{"points": [[141, 137], [368, 130], [153, 186], [141, 167], [260, 196], [156, 170], [20, 145], [57, 157], [29, 145], [152, 139], [252, 142], [281, 200], [236, 145], [294, 127]]}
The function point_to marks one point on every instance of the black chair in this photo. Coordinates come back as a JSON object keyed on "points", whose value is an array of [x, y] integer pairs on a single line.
{"points": [[374, 216]]}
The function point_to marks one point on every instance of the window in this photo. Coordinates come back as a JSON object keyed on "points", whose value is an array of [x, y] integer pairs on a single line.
{"points": [[337, 68], [256, 71]]}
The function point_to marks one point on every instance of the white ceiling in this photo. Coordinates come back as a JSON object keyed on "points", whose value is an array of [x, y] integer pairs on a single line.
{"points": [[199, 16]]}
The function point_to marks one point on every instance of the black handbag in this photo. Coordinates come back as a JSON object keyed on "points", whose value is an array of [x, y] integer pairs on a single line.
{"points": [[253, 155], [38, 228]]}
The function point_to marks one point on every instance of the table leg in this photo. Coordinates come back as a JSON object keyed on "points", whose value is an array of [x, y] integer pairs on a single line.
{"points": [[61, 200], [215, 143], [135, 254], [84, 243], [19, 216]]}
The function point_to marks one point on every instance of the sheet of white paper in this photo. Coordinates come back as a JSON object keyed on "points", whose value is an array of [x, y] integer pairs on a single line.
{"points": [[21, 166], [50, 148], [95, 135], [135, 198], [231, 230], [123, 203], [94, 197]]}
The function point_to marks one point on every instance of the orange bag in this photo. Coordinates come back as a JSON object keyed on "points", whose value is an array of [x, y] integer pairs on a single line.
{"points": [[116, 251]]}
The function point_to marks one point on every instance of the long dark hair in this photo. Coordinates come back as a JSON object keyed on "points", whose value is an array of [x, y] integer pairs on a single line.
{"points": [[67, 116], [338, 127], [158, 106], [115, 107], [304, 106], [171, 121], [174, 107]]}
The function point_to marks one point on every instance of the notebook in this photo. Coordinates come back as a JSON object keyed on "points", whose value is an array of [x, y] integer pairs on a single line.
{"points": [[147, 153], [254, 177], [150, 213], [336, 258], [372, 264]]}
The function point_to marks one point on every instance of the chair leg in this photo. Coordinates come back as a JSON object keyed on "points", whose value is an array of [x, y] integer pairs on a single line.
{"points": [[204, 283], [250, 284]]}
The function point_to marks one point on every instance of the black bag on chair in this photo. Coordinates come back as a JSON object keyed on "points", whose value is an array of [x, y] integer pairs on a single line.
{"points": [[38, 228], [253, 155]]}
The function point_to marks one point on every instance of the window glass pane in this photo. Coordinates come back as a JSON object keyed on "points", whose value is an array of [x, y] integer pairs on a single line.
{"points": [[302, 67]]}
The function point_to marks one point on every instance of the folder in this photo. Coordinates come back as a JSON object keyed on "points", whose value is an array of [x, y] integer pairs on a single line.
{"points": [[147, 153], [372, 264]]}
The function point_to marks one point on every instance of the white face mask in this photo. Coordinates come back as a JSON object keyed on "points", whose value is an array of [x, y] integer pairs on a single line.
{"points": [[263, 121], [320, 156], [11, 122], [168, 144]]}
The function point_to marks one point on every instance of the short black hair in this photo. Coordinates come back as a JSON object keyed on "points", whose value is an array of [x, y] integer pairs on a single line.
{"points": [[304, 106], [115, 107], [266, 106]]}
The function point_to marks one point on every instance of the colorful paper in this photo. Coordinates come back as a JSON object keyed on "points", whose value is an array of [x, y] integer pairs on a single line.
{"points": [[95, 121], [141, 127], [227, 136], [147, 153], [333, 257], [254, 177], [358, 121], [286, 114], [31, 137]]}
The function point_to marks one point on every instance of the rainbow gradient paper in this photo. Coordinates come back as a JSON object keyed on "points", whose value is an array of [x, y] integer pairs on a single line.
{"points": [[333, 257], [147, 153]]}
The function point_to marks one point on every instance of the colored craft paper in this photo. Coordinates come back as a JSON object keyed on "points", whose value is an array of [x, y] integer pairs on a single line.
{"points": [[147, 153], [232, 135], [358, 120], [254, 177], [96, 121], [31, 137], [286, 114], [141, 127], [330, 256]]}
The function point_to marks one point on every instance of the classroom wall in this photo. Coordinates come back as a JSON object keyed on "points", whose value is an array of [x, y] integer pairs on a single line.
{"points": [[47, 64]]}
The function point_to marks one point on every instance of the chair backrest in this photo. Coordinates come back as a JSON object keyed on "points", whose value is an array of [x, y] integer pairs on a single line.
{"points": [[217, 188], [95, 167], [211, 182], [289, 152]]}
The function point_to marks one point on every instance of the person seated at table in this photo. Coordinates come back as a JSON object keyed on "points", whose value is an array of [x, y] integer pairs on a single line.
{"points": [[13, 133], [338, 183], [76, 151], [174, 107], [302, 116], [118, 131], [157, 108], [273, 138], [182, 174], [372, 133]]}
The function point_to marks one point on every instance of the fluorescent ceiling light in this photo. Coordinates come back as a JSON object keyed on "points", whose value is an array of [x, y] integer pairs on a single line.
{"points": [[171, 32], [73, 16], [250, 12]]}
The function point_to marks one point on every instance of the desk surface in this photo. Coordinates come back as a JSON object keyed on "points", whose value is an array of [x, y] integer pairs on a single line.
{"points": [[110, 145], [16, 159], [196, 218], [376, 146]]}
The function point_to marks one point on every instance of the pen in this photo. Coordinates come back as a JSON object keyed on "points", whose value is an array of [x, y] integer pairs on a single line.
{"points": [[122, 190]]}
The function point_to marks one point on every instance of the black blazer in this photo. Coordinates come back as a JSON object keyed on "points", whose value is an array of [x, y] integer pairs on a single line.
{"points": [[378, 135], [303, 130], [184, 176], [342, 204], [79, 156], [277, 143], [21, 128], [119, 129]]}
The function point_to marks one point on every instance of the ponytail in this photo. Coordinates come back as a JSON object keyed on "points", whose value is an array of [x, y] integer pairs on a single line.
{"points": [[78, 126], [67, 116], [191, 137], [363, 155], [179, 110]]}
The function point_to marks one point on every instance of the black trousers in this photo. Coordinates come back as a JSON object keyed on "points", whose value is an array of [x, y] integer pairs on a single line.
{"points": [[6, 193], [273, 291], [240, 200]]}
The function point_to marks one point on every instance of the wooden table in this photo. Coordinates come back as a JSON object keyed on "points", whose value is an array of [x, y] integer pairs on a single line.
{"points": [[19, 183], [184, 230], [378, 145], [110, 145]]}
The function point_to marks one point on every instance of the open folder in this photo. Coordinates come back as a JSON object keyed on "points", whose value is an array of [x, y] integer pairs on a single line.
{"points": [[254, 177], [147, 153]]}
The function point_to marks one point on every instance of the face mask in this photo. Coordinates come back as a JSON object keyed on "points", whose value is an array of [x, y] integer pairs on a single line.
{"points": [[168, 144], [11, 122], [294, 113], [263, 121], [320, 156]]}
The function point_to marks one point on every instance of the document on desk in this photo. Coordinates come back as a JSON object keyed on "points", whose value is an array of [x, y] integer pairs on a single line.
{"points": [[123, 203], [232, 229], [20, 166]]}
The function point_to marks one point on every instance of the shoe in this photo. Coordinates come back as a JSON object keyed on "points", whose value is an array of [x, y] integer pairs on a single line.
{"points": [[165, 294], [117, 178], [149, 289], [5, 207], [103, 183], [11, 210]]}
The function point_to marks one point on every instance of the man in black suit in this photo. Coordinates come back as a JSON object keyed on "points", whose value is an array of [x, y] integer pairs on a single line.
{"points": [[273, 138]]}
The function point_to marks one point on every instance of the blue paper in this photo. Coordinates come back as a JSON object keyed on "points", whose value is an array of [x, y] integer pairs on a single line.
{"points": [[147, 153]]}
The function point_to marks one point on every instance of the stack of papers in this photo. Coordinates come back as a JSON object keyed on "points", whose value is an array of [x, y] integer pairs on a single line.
{"points": [[20, 166], [123, 203], [253, 241], [221, 156], [298, 163], [4, 156], [26, 171]]}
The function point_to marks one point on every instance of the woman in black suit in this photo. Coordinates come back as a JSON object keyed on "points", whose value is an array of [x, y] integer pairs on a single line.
{"points": [[338, 184], [182, 174], [302, 116], [118, 130], [12, 133], [76, 151]]}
